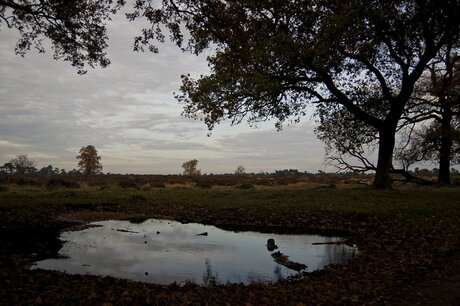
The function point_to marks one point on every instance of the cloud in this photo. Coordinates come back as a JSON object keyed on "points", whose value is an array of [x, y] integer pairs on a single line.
{"points": [[9, 144], [128, 112], [295, 147]]}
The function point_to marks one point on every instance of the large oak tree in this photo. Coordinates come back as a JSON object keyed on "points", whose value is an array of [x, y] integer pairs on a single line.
{"points": [[273, 58], [428, 130]]}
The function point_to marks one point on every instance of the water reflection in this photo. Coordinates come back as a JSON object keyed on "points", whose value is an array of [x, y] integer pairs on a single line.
{"points": [[209, 278], [161, 251]]}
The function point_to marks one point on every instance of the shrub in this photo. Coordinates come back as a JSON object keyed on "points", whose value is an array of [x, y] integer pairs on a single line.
{"points": [[55, 183], [128, 184], [246, 186], [22, 181], [98, 181], [158, 185], [3, 188], [137, 198], [266, 182], [204, 184]]}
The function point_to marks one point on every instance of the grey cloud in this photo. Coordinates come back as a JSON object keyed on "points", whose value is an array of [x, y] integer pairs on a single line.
{"points": [[264, 150], [128, 112]]}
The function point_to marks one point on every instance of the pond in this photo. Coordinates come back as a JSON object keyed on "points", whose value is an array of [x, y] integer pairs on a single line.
{"points": [[164, 252]]}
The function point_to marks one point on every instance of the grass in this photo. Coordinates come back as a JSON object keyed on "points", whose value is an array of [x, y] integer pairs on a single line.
{"points": [[399, 234], [416, 204]]}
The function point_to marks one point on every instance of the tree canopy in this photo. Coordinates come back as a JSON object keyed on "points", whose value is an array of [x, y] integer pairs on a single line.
{"points": [[88, 160], [273, 58], [22, 164], [76, 28], [190, 167]]}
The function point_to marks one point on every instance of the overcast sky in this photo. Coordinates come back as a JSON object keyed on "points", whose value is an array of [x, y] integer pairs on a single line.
{"points": [[128, 112]]}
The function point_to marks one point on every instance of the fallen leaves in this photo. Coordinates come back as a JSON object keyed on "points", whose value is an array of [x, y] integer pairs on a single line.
{"points": [[393, 249]]}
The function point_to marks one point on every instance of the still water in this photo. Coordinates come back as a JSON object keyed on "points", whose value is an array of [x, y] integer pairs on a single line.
{"points": [[164, 252]]}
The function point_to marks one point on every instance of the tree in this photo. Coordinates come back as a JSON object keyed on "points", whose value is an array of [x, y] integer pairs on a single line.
{"points": [[7, 168], [50, 170], [75, 28], [429, 126], [23, 165], [240, 170], [274, 58], [350, 142], [190, 167], [74, 172], [426, 144], [436, 103], [88, 161]]}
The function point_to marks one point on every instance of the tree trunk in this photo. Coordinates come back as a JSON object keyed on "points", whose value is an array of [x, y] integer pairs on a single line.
{"points": [[382, 179], [446, 148]]}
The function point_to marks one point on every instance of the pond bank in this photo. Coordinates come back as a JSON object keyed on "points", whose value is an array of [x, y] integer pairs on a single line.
{"points": [[396, 249]]}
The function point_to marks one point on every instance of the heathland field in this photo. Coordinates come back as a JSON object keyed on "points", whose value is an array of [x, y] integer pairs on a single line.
{"points": [[408, 238]]}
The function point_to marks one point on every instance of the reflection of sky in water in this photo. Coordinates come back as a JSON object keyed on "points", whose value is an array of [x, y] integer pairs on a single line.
{"points": [[177, 254]]}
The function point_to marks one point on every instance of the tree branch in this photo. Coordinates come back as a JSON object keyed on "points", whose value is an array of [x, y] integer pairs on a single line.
{"points": [[346, 102], [385, 90]]}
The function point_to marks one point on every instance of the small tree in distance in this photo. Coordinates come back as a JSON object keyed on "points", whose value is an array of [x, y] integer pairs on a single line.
{"points": [[88, 160], [23, 165], [190, 167], [240, 170]]}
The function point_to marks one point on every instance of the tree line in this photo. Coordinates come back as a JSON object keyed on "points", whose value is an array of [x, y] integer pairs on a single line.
{"points": [[89, 163], [382, 75]]}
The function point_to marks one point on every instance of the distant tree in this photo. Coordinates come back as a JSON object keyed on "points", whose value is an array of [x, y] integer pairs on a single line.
{"points": [[190, 167], [74, 172], [23, 165], [424, 172], [287, 172], [48, 170], [88, 160], [7, 168], [76, 29], [240, 170]]}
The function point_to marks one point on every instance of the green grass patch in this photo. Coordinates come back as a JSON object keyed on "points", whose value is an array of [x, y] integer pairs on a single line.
{"points": [[415, 204]]}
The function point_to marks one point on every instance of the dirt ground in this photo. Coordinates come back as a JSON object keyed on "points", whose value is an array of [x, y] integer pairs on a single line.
{"points": [[440, 286], [399, 264]]}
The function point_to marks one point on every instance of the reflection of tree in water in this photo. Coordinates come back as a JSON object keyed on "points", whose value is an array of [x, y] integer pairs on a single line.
{"points": [[336, 253], [209, 278], [256, 278], [278, 273]]}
